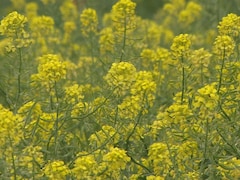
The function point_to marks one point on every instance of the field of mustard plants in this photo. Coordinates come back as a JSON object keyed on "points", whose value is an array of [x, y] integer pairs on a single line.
{"points": [[88, 92]]}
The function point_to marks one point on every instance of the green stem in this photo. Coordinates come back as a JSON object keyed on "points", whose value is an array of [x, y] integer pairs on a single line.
{"points": [[13, 159], [18, 80], [203, 162], [56, 125], [183, 80], [221, 74], [124, 39]]}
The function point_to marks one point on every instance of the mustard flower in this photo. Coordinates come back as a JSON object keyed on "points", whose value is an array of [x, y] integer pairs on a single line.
{"points": [[148, 56], [56, 170], [69, 27], [163, 55], [159, 155], [116, 159], [42, 26], [121, 76], [44, 33], [153, 33], [229, 167], [207, 97], [190, 13], [11, 128], [68, 11], [174, 7], [223, 46], [144, 87], [84, 166], [46, 122], [73, 94], [106, 41], [46, 2], [188, 155], [230, 25], [123, 15], [32, 160], [50, 69], [200, 58], [13, 24], [80, 109], [18, 4], [89, 22], [30, 109], [31, 9], [130, 107], [181, 46], [152, 177], [106, 134]]}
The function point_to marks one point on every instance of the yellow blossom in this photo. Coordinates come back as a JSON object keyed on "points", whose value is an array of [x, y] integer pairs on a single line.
{"points": [[89, 22], [121, 76], [123, 15], [56, 170]]}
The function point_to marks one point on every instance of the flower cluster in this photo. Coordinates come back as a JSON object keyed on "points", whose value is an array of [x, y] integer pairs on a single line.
{"points": [[181, 46], [11, 128], [119, 95], [230, 25], [190, 13], [106, 41], [121, 76], [224, 46], [13, 24], [89, 22], [56, 170], [84, 166], [68, 11], [160, 157], [13, 27], [73, 94], [50, 70], [123, 15], [116, 159]]}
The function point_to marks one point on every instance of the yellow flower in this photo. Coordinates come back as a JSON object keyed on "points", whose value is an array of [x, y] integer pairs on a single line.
{"points": [[230, 25], [123, 15], [31, 10], [207, 97], [181, 46], [11, 128], [106, 41], [73, 94], [56, 170], [159, 155], [116, 159], [84, 166], [223, 46], [18, 4], [42, 25], [106, 134], [89, 21], [32, 160], [13, 24], [46, 2], [121, 76], [190, 14], [148, 56], [69, 11], [51, 69]]}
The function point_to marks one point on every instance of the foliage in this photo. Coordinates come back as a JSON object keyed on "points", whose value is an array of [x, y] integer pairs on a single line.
{"points": [[92, 94]]}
